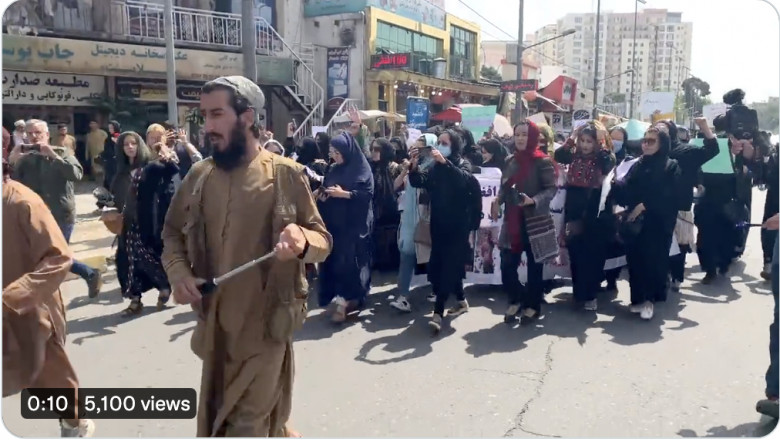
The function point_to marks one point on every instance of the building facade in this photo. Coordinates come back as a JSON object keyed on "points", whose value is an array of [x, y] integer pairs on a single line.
{"points": [[378, 54], [80, 60], [663, 52]]}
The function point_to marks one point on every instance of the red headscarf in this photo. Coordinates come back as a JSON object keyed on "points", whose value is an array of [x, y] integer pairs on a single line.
{"points": [[525, 161]]}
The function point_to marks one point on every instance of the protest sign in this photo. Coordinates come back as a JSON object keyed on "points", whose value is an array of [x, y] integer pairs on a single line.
{"points": [[478, 119], [720, 164]]}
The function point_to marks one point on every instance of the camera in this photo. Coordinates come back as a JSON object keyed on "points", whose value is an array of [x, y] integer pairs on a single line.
{"points": [[27, 148], [739, 121]]}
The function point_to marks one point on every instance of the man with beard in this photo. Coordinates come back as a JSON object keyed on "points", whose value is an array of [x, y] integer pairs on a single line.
{"points": [[242, 203]]}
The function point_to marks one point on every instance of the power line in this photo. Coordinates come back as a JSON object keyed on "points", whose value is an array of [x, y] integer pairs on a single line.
{"points": [[486, 20], [558, 63]]}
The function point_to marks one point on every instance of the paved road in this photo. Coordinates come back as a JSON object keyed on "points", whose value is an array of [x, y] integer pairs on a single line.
{"points": [[695, 370]]}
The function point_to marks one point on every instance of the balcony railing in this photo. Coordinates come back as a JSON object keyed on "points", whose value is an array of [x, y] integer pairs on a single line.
{"points": [[142, 21]]}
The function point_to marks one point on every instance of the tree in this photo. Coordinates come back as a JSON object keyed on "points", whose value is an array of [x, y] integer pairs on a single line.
{"points": [[490, 73], [768, 114], [695, 89]]}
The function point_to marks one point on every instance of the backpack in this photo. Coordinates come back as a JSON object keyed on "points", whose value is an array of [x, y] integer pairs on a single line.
{"points": [[473, 203]]}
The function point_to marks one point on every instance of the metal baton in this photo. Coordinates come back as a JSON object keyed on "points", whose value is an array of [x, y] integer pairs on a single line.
{"points": [[211, 286]]}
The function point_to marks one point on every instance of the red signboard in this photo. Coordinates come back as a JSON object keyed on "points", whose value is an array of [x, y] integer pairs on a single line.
{"points": [[523, 85], [391, 61]]}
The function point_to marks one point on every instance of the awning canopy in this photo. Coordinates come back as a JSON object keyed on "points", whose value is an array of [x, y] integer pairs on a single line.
{"points": [[370, 114]]}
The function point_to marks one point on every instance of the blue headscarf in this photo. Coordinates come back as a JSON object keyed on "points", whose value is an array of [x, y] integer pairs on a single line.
{"points": [[355, 172]]}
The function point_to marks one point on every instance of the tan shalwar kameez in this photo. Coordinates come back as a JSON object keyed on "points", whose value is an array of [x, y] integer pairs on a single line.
{"points": [[96, 143], [246, 386], [36, 260]]}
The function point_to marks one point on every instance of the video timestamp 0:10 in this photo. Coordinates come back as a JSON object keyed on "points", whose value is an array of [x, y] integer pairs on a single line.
{"points": [[109, 403]]}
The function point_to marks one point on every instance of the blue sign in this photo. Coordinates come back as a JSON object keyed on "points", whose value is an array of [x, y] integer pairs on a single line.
{"points": [[430, 12], [417, 112], [338, 76]]}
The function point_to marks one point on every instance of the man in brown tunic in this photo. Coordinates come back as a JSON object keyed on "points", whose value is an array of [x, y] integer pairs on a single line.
{"points": [[234, 207], [36, 260]]}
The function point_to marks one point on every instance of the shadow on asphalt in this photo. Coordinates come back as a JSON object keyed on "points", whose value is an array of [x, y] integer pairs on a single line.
{"points": [[562, 317], [754, 429]]}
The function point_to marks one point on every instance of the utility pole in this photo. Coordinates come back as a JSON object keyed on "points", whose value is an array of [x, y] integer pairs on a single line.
{"points": [[655, 59], [633, 60], [249, 39], [596, 68], [519, 95], [170, 64]]}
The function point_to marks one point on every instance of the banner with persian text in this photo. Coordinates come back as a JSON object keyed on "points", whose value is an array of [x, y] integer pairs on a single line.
{"points": [[27, 88]]}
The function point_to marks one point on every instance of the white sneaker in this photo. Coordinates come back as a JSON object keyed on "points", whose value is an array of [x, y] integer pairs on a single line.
{"points": [[86, 428], [591, 305], [401, 304], [635, 308], [435, 323], [647, 311], [431, 297]]}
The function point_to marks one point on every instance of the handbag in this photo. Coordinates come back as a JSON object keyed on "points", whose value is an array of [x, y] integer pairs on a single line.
{"points": [[542, 237], [628, 231], [422, 231], [113, 221]]}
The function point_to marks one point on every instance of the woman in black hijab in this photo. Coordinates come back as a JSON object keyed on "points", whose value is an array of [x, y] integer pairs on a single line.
{"points": [[493, 154], [386, 214], [309, 156], [446, 180], [649, 195], [323, 143], [400, 153]]}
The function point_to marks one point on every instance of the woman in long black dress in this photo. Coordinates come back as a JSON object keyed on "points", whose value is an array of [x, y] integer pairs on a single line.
{"points": [[387, 217], [151, 191], [649, 194], [344, 201], [131, 154], [446, 182]]}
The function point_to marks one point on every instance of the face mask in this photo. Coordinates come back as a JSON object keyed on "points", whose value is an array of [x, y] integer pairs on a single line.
{"points": [[618, 145], [445, 150]]}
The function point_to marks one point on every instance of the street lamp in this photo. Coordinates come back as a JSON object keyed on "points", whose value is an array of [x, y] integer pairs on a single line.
{"points": [[520, 49], [776, 11], [596, 83], [565, 33], [633, 55]]}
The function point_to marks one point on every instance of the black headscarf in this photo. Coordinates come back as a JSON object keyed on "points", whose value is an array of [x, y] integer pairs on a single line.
{"points": [[385, 197], [323, 142], [355, 172], [497, 150], [400, 149], [309, 151]]}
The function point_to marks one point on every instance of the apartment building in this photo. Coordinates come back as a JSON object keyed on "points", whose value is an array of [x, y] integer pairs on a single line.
{"points": [[662, 52]]}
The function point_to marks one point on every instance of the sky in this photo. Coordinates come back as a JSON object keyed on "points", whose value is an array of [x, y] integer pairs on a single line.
{"points": [[733, 47]]}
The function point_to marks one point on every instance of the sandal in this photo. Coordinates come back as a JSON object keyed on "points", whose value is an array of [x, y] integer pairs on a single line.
{"points": [[162, 299], [339, 314], [135, 308]]}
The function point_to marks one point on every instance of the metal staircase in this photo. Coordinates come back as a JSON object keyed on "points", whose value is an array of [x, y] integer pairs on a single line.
{"points": [[305, 91]]}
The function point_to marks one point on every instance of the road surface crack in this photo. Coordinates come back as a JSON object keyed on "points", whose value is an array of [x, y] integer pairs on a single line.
{"points": [[520, 418]]}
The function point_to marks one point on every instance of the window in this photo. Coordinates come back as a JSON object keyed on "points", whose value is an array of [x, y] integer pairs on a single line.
{"points": [[463, 49], [578, 19], [391, 38], [578, 44]]}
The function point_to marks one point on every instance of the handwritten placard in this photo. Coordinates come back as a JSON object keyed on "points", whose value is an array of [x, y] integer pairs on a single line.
{"points": [[478, 119], [51, 88]]}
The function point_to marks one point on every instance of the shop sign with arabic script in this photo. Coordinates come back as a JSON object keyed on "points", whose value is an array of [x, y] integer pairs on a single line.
{"points": [[51, 88], [391, 61], [112, 59]]}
